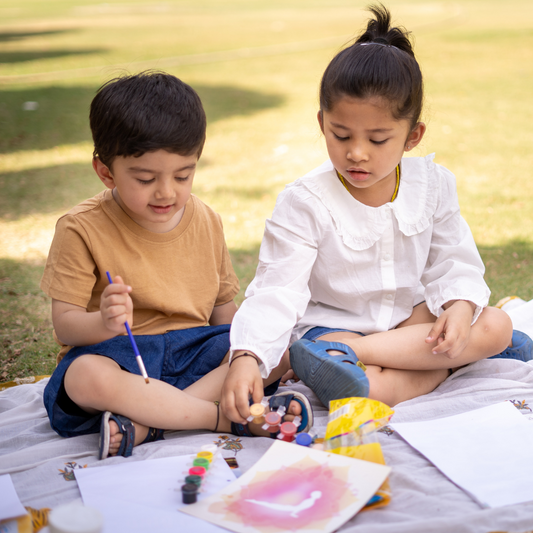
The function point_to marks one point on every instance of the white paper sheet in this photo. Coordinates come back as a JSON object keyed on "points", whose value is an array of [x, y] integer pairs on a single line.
{"points": [[142, 496], [10, 506], [293, 488], [486, 452]]}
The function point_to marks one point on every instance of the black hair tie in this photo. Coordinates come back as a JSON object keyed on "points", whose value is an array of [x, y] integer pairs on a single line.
{"points": [[380, 40]]}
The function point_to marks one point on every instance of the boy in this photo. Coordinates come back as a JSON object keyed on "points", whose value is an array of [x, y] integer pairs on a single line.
{"points": [[172, 276]]}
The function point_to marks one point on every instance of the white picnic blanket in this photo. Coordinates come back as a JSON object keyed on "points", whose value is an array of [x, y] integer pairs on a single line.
{"points": [[41, 463]]}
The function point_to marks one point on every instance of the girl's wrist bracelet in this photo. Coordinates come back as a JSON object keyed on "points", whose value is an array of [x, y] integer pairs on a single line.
{"points": [[246, 354]]}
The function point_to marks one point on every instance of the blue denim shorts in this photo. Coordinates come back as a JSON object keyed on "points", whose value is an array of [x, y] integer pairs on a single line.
{"points": [[314, 333], [179, 358]]}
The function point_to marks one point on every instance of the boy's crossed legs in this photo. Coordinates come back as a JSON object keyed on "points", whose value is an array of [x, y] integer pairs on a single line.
{"points": [[97, 383]]}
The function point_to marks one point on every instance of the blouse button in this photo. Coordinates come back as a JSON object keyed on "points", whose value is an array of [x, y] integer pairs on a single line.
{"points": [[389, 296], [386, 257]]}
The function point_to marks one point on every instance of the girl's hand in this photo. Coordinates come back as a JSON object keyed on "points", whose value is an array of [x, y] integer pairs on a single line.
{"points": [[451, 330], [242, 381], [116, 306]]}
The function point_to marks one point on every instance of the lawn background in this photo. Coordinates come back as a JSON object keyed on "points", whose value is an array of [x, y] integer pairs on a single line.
{"points": [[256, 65]]}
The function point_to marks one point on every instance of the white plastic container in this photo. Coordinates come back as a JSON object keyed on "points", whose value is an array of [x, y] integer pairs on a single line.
{"points": [[75, 518]]}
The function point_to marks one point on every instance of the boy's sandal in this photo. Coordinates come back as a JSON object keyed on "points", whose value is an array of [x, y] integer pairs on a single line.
{"points": [[127, 429], [330, 377], [521, 348], [283, 398]]}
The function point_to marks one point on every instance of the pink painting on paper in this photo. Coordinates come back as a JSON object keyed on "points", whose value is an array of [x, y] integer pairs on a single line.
{"points": [[292, 498]]}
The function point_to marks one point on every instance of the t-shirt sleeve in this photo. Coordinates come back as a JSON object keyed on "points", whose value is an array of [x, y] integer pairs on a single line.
{"points": [[69, 274], [229, 283]]}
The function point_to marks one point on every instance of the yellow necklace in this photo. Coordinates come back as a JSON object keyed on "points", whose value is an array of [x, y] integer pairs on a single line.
{"points": [[395, 188]]}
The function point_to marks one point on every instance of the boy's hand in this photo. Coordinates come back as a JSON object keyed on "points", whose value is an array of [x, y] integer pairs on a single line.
{"points": [[452, 329], [243, 380], [116, 306]]}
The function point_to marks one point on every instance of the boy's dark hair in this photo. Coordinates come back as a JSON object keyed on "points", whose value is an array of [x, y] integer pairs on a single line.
{"points": [[132, 115], [386, 69]]}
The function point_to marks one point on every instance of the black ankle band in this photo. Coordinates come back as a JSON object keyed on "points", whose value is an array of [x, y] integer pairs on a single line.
{"points": [[217, 403]]}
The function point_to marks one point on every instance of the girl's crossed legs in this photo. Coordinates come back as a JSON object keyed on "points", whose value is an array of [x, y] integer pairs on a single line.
{"points": [[400, 363]]}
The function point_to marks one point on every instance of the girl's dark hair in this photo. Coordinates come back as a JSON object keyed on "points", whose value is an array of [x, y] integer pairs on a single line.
{"points": [[149, 111], [386, 69]]}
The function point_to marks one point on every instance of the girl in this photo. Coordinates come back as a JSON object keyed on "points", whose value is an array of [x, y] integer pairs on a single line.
{"points": [[369, 251]]}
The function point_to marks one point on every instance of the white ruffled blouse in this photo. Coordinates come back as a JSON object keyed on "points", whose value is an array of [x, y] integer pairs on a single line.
{"points": [[328, 260]]}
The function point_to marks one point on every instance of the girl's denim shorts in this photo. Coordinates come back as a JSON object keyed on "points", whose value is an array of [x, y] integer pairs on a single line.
{"points": [[314, 333], [179, 358]]}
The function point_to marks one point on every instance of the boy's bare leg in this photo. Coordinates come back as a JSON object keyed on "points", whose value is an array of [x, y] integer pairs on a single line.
{"points": [[97, 383]]}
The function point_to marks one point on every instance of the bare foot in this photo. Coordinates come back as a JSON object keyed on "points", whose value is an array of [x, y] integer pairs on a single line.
{"points": [[116, 436]]}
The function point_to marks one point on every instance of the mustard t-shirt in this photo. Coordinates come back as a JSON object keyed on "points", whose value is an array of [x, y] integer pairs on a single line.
{"points": [[177, 277]]}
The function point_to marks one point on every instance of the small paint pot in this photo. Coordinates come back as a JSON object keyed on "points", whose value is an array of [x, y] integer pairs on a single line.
{"points": [[287, 431], [205, 455], [197, 471], [200, 461], [189, 493], [257, 411], [195, 480], [272, 422], [304, 439], [213, 448]]}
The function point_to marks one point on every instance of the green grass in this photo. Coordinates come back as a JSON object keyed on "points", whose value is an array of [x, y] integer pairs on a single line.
{"points": [[257, 66]]}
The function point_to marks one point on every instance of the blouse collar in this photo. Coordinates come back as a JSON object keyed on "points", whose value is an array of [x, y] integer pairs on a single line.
{"points": [[359, 225]]}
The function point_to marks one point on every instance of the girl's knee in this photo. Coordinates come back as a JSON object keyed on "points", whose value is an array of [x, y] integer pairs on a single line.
{"points": [[497, 327]]}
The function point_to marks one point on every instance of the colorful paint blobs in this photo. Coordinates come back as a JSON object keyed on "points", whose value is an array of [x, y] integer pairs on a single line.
{"points": [[293, 488], [291, 498]]}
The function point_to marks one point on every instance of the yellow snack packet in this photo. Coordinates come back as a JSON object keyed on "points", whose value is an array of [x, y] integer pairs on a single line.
{"points": [[360, 415], [351, 431]]}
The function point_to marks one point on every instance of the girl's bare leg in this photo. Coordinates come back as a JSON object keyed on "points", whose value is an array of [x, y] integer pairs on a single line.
{"points": [[97, 383], [390, 385], [406, 348], [401, 365]]}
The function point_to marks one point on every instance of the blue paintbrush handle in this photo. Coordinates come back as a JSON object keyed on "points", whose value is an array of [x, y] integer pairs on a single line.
{"points": [[133, 343]]}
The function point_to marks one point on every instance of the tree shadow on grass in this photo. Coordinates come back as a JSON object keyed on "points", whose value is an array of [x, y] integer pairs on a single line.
{"points": [[36, 55], [9, 36], [61, 187], [62, 116], [45, 190]]}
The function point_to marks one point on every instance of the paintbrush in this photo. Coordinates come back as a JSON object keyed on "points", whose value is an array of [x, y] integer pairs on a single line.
{"points": [[133, 344]]}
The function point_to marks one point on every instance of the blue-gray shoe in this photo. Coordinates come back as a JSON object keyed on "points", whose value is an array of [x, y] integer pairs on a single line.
{"points": [[330, 377], [521, 349]]}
